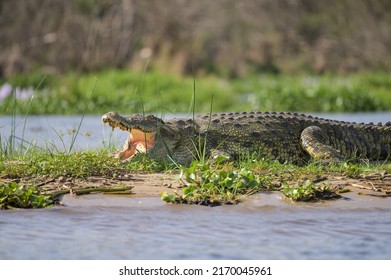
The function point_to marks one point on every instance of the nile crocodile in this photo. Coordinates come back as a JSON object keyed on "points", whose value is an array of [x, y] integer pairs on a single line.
{"points": [[286, 137]]}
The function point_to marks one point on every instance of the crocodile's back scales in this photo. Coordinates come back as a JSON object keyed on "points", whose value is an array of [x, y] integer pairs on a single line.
{"points": [[279, 135]]}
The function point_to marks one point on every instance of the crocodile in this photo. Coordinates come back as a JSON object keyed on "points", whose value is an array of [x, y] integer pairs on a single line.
{"points": [[282, 136]]}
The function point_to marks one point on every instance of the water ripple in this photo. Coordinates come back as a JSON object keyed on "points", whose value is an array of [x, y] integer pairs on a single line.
{"points": [[153, 230]]}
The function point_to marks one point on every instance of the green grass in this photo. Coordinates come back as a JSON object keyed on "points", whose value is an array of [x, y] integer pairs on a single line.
{"points": [[40, 163], [80, 164], [128, 91]]}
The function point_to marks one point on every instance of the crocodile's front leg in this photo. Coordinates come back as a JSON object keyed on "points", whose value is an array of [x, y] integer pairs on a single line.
{"points": [[314, 141]]}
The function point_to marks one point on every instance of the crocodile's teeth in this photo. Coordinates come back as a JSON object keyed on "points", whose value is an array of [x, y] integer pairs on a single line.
{"points": [[141, 148]]}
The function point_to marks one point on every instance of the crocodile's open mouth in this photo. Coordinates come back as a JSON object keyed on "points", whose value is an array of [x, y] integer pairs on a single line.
{"points": [[137, 142]]}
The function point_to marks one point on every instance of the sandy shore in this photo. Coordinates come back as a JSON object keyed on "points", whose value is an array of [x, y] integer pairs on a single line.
{"points": [[146, 188], [152, 184], [145, 185]]}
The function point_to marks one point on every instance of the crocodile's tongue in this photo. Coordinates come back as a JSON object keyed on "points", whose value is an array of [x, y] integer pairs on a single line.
{"points": [[138, 142]]}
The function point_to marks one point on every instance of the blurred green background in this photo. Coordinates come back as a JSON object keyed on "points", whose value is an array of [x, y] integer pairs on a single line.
{"points": [[132, 55]]}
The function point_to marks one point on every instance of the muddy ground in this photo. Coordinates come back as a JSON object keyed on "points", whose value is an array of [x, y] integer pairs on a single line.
{"points": [[153, 184]]}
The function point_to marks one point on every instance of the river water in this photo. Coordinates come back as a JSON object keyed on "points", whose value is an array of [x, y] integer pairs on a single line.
{"points": [[264, 226]]}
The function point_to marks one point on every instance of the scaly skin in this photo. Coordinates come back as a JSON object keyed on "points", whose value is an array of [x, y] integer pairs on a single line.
{"points": [[286, 137]]}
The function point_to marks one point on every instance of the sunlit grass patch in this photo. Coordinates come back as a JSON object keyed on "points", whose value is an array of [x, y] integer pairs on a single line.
{"points": [[41, 162]]}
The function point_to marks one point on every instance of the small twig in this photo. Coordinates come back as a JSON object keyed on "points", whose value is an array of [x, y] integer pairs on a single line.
{"points": [[321, 179], [361, 186], [100, 190], [375, 194], [45, 183], [119, 192]]}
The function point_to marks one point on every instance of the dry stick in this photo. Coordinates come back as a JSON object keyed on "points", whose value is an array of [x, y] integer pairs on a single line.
{"points": [[45, 183], [374, 194], [321, 179], [361, 186], [374, 176], [90, 190]]}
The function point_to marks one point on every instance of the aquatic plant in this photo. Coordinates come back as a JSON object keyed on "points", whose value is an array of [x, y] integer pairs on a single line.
{"points": [[308, 191], [212, 184], [13, 195]]}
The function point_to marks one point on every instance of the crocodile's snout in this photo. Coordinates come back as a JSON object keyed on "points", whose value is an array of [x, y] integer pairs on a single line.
{"points": [[109, 116]]}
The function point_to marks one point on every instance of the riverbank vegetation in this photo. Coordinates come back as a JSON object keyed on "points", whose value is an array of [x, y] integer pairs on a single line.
{"points": [[38, 178], [130, 91]]}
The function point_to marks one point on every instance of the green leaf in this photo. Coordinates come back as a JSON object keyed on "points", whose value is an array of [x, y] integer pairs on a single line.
{"points": [[221, 158], [170, 198], [188, 191]]}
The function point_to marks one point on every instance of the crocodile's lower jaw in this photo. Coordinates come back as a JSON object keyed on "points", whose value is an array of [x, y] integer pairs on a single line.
{"points": [[137, 142]]}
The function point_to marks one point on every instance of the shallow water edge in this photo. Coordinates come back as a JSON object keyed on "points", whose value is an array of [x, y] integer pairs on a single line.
{"points": [[264, 226]]}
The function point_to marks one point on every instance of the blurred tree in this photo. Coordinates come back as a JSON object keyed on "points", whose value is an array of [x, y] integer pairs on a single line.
{"points": [[227, 37]]}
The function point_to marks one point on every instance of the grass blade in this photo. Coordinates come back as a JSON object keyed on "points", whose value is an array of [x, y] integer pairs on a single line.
{"points": [[74, 136]]}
